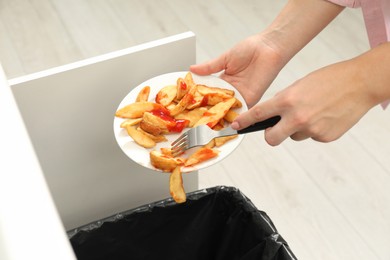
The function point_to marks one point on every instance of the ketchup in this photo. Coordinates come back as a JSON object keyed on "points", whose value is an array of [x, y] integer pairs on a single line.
{"points": [[204, 101], [163, 114], [179, 126], [191, 98], [183, 85], [207, 113], [175, 125], [206, 153]]}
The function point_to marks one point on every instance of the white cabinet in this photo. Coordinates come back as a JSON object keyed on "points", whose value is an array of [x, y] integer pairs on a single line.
{"points": [[68, 112]]}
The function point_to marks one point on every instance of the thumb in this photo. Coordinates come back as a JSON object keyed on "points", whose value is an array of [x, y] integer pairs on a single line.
{"points": [[209, 67]]}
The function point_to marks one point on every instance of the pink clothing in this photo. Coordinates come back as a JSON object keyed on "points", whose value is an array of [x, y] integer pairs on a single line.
{"points": [[376, 15]]}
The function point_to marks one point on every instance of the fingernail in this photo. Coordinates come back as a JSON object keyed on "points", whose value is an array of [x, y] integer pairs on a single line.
{"points": [[235, 125]]}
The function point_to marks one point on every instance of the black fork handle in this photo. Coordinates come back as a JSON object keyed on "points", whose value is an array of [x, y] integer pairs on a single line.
{"points": [[262, 125]]}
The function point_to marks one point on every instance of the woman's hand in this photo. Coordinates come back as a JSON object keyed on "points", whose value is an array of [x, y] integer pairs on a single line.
{"points": [[322, 106], [250, 66]]}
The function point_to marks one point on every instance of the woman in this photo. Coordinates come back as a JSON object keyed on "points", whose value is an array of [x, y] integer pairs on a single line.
{"points": [[327, 102]]}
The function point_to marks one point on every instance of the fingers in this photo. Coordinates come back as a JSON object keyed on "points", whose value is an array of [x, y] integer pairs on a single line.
{"points": [[209, 67], [299, 136], [285, 128], [273, 135], [277, 134], [255, 114]]}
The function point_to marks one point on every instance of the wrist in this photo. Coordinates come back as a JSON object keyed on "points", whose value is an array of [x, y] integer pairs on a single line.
{"points": [[372, 67], [276, 40], [292, 29]]}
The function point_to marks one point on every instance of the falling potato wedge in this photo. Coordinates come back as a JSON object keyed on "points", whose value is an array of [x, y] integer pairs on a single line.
{"points": [[176, 188], [143, 95], [140, 138]]}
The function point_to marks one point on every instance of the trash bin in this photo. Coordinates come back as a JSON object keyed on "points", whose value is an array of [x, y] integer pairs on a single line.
{"points": [[214, 223]]}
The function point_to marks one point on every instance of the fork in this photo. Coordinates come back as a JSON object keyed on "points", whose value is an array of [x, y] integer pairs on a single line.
{"points": [[203, 134]]}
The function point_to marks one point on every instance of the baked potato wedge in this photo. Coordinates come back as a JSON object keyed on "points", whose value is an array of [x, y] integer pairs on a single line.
{"points": [[204, 90], [166, 95], [201, 155], [164, 162], [152, 122], [150, 128], [156, 138], [230, 116], [166, 151], [176, 188], [156, 122], [187, 100], [219, 141], [182, 88], [140, 138], [184, 85], [189, 79], [197, 102], [130, 122], [211, 144], [212, 116], [143, 95], [237, 104], [137, 109], [192, 116]]}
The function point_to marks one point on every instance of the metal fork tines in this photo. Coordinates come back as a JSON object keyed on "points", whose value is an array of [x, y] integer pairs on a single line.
{"points": [[198, 136], [202, 135]]}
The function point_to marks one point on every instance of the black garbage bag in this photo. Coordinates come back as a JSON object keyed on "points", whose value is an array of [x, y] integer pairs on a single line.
{"points": [[218, 223]]}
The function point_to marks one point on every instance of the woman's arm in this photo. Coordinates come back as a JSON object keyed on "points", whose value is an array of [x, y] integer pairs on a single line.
{"points": [[253, 64], [297, 24], [327, 102]]}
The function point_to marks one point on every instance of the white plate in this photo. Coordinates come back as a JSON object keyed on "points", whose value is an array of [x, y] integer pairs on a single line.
{"points": [[140, 154]]}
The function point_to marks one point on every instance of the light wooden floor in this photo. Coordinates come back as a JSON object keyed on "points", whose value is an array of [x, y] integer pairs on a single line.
{"points": [[329, 201]]}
